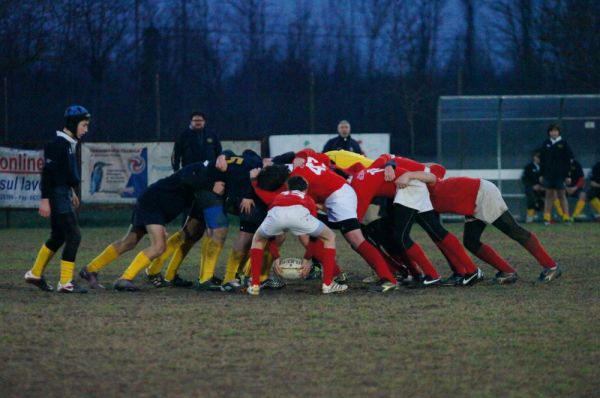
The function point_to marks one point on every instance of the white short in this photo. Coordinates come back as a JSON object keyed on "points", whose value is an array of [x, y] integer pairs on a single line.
{"points": [[415, 196], [489, 204], [295, 219], [341, 205]]}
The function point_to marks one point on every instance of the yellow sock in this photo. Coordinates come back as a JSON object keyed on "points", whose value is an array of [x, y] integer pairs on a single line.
{"points": [[109, 255], [547, 217], [234, 261], [579, 207], [177, 259], [67, 269], [595, 203], [558, 208], [140, 262], [43, 258], [209, 258], [173, 243], [530, 212]]}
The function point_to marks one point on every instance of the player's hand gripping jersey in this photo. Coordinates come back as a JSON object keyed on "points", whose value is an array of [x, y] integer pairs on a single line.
{"points": [[370, 183]]}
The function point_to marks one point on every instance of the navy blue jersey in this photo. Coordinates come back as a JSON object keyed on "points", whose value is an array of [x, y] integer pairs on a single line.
{"points": [[172, 195], [237, 180], [555, 159]]}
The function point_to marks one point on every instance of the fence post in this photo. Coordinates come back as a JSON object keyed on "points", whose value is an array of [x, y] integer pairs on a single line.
{"points": [[499, 143], [439, 132], [5, 92]]}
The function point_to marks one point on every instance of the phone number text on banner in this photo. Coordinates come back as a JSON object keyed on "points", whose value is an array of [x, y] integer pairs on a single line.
{"points": [[20, 175]]}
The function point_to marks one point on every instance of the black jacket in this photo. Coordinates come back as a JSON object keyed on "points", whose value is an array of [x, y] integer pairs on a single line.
{"points": [[60, 172], [193, 146], [531, 175], [555, 159], [339, 143]]}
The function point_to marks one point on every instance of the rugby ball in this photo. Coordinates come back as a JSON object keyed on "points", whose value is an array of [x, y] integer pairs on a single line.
{"points": [[291, 268]]}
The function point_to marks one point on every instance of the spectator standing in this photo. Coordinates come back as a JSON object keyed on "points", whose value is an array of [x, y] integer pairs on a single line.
{"points": [[343, 141], [195, 144], [555, 164], [534, 191]]}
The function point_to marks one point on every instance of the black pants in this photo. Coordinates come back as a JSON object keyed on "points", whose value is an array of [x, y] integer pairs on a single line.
{"points": [[505, 223], [403, 220], [65, 230], [535, 199], [430, 222]]}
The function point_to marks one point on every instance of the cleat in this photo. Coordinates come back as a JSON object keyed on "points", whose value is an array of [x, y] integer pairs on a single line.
{"points": [[231, 287], [341, 278], [453, 280], [40, 282], [427, 281], [180, 282], [316, 271], [473, 278], [213, 284], [91, 278], [371, 278], [70, 287], [125, 285], [253, 290], [157, 280], [505, 278], [550, 274], [411, 280], [383, 286], [272, 283], [333, 288]]}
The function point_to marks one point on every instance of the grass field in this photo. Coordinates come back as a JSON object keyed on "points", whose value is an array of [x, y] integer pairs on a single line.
{"points": [[485, 341]]}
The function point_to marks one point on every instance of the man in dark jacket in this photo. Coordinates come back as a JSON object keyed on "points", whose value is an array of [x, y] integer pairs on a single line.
{"points": [[555, 165], [195, 144], [343, 140]]}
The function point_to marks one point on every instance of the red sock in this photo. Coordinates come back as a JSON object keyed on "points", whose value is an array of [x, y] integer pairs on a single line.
{"points": [[328, 260], [489, 255], [256, 260], [418, 255], [457, 254], [273, 248], [374, 258], [534, 246], [456, 267]]}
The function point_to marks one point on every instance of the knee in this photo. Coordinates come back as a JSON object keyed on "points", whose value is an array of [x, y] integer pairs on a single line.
{"points": [[471, 244]]}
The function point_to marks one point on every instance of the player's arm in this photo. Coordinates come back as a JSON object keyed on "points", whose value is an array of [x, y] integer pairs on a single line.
{"points": [[423, 176]]}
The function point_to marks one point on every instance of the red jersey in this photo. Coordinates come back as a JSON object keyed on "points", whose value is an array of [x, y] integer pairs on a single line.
{"points": [[322, 182], [292, 198], [369, 183], [455, 195]]}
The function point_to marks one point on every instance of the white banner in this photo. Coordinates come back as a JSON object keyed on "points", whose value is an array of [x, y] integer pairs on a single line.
{"points": [[20, 176], [372, 145], [120, 172]]}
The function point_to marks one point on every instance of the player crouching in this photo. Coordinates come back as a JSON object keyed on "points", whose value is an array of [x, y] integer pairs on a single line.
{"points": [[294, 211]]}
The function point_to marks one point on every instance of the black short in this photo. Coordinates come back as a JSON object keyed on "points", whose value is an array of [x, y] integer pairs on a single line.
{"points": [[60, 200], [593, 192], [554, 183], [143, 216], [249, 222]]}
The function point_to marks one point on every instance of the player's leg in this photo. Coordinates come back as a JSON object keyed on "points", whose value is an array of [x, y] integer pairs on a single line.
{"points": [[507, 224], [212, 244], [580, 205], [157, 234], [72, 233], [594, 197], [35, 275], [111, 253], [472, 241]]}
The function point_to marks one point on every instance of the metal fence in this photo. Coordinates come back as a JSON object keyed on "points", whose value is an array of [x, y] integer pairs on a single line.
{"points": [[494, 136]]}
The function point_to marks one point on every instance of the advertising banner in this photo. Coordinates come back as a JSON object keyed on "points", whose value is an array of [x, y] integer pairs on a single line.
{"points": [[20, 175], [372, 145]]}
